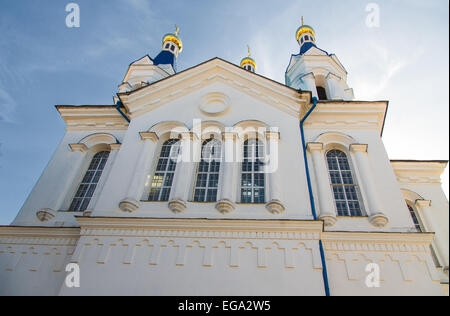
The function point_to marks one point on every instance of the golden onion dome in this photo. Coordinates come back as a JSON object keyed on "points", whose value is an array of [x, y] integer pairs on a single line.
{"points": [[305, 29], [174, 39], [248, 60]]}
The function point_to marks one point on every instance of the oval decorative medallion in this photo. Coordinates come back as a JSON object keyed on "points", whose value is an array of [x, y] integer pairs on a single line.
{"points": [[215, 104]]}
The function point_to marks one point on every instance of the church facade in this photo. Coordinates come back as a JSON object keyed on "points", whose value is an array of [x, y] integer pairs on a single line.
{"points": [[218, 181]]}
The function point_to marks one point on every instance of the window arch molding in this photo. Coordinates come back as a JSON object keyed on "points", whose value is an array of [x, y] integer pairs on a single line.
{"points": [[165, 130], [336, 140], [98, 139], [94, 145]]}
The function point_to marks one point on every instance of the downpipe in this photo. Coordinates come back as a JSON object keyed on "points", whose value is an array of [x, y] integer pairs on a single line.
{"points": [[311, 196]]}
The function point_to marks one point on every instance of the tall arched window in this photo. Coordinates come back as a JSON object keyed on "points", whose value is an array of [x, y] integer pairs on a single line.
{"points": [[165, 170], [208, 172], [414, 217], [344, 187], [87, 186], [252, 175]]}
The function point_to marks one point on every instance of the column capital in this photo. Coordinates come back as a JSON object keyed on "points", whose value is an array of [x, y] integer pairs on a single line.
{"points": [[229, 135], [359, 148], [423, 204], [272, 136], [188, 136], [314, 147], [115, 146], [149, 136], [79, 147]]}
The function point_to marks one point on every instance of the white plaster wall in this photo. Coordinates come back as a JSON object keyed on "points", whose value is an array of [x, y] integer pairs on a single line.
{"points": [[401, 274], [385, 180], [439, 211], [196, 266], [32, 267], [50, 186], [243, 107]]}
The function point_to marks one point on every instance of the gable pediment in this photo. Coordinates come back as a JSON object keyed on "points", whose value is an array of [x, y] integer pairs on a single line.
{"points": [[158, 94], [314, 51]]}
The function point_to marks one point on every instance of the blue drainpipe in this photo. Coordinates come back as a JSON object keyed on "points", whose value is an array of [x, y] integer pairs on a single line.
{"points": [[311, 197], [118, 105]]}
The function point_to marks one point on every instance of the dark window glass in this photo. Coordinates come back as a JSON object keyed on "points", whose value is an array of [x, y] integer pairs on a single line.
{"points": [[87, 187], [208, 171], [344, 188], [413, 214], [165, 169], [252, 173]]}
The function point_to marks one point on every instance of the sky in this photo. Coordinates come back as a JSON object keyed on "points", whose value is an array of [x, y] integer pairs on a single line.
{"points": [[44, 63]]}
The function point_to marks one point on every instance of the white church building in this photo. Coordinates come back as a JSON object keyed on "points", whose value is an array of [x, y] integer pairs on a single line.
{"points": [[219, 181]]}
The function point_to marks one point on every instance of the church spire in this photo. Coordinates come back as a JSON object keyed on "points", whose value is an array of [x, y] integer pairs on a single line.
{"points": [[248, 63]]}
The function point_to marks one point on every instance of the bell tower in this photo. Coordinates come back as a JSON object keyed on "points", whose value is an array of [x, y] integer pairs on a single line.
{"points": [[313, 69]]}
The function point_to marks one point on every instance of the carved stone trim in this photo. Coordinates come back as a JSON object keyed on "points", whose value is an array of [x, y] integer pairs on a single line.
{"points": [[177, 206], [79, 147], [129, 205], [45, 215], [275, 207], [225, 206], [359, 148], [328, 220], [379, 220], [149, 136]]}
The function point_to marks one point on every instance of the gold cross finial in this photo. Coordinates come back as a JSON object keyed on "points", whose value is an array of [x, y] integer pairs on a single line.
{"points": [[302, 20], [249, 54], [177, 30]]}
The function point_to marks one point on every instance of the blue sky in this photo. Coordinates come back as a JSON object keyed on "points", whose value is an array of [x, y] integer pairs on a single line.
{"points": [[44, 63]]}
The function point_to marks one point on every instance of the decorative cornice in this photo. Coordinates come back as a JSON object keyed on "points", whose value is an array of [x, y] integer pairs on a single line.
{"points": [[79, 147], [378, 238], [419, 172], [359, 148], [149, 136], [39, 235], [266, 229], [155, 95], [273, 136], [423, 204], [314, 147], [92, 118], [115, 146]]}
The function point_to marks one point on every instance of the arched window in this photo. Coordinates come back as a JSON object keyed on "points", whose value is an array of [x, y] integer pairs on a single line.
{"points": [[87, 186], [165, 170], [321, 92], [344, 187], [252, 176], [208, 172], [414, 217]]}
